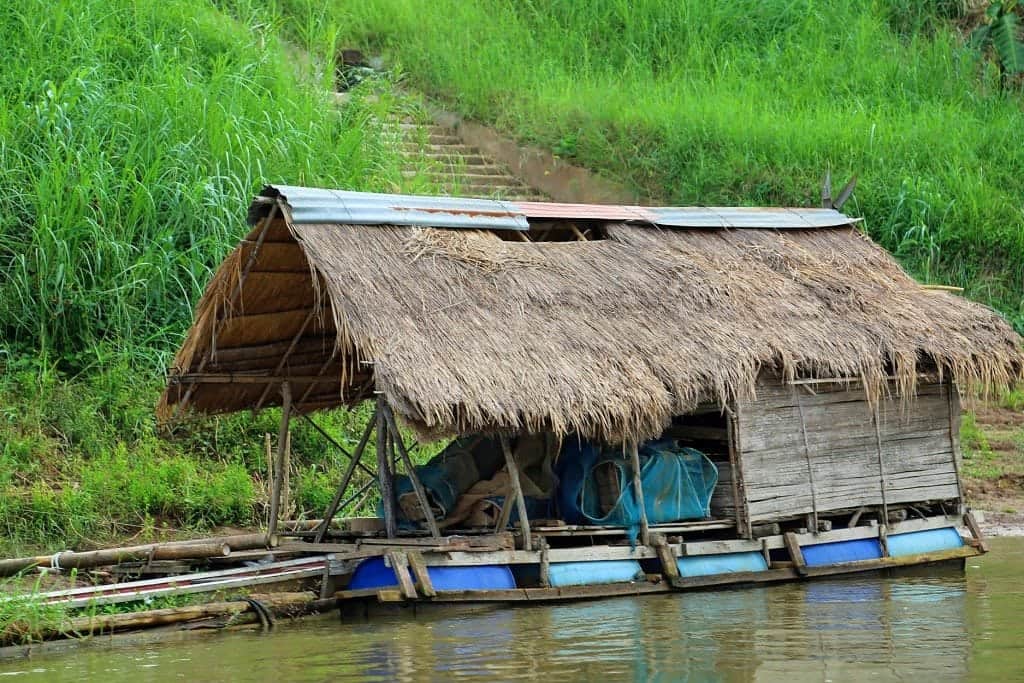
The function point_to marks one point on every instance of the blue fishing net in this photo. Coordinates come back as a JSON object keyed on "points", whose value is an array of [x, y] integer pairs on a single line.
{"points": [[677, 483]]}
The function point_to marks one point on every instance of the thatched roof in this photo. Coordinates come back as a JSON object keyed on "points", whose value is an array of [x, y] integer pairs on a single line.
{"points": [[462, 329]]}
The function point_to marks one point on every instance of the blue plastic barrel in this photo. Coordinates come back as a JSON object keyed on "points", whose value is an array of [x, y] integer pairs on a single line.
{"points": [[930, 540], [373, 573], [726, 563], [823, 554], [592, 573]]}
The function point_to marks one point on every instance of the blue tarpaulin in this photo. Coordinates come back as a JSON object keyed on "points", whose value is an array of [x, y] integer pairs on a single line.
{"points": [[677, 483]]}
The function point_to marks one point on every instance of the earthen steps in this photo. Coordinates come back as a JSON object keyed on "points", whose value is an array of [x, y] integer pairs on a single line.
{"points": [[436, 154]]}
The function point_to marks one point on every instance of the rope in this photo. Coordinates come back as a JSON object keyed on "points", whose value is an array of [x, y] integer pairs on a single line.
{"points": [[55, 560]]}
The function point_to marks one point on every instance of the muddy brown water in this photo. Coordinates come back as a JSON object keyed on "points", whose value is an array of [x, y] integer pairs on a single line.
{"points": [[923, 626]]}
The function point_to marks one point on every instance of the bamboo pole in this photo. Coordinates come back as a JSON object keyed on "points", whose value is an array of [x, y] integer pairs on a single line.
{"points": [[236, 542], [387, 493], [421, 494], [284, 357], [332, 509], [417, 485], [238, 611], [517, 490], [330, 439], [282, 444], [109, 556], [638, 489], [286, 477]]}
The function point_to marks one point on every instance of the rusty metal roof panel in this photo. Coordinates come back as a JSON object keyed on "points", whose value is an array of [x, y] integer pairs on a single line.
{"points": [[314, 205]]}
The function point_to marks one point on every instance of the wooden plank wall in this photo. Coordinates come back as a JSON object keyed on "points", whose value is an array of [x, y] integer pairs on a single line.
{"points": [[838, 432]]}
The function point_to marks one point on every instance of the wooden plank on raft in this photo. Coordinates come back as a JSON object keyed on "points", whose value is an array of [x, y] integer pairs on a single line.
{"points": [[720, 547], [600, 530], [972, 525], [554, 594], [890, 562], [419, 570], [399, 562], [666, 556], [795, 554], [728, 578]]}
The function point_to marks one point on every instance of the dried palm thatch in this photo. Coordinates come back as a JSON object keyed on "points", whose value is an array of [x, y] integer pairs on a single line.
{"points": [[464, 331]]}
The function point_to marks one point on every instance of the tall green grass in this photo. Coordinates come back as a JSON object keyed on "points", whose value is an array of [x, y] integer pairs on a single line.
{"points": [[132, 135], [743, 102]]}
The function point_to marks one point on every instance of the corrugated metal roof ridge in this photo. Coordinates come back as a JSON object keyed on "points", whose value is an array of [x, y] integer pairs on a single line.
{"points": [[318, 205]]}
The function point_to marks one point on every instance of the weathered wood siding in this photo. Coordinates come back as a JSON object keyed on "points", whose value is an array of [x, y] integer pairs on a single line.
{"points": [[801, 450]]}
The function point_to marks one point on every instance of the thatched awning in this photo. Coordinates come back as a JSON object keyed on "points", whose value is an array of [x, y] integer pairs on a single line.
{"points": [[481, 329]]}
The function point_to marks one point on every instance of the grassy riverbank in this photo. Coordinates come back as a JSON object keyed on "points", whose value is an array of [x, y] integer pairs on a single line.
{"points": [[740, 103], [132, 136], [133, 133]]}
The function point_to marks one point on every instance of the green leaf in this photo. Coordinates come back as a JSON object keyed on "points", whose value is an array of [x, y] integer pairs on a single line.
{"points": [[1008, 46], [979, 37]]}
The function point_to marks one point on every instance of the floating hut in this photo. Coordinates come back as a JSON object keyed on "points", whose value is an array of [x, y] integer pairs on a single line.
{"points": [[637, 399]]}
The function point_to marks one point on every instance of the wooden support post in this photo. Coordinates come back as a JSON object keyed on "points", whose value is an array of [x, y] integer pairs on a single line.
{"points": [[881, 466], [400, 564], [282, 444], [738, 502], [767, 552], [545, 564], [746, 528], [419, 570], [953, 401], [795, 554], [387, 492], [286, 477], [666, 557], [517, 491], [972, 526], [332, 509], [883, 538], [807, 457], [638, 489], [417, 485], [268, 452]]}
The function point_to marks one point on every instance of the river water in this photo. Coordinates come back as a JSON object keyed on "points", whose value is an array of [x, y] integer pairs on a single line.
{"points": [[914, 627]]}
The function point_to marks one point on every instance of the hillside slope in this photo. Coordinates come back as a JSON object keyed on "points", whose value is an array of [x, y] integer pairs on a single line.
{"points": [[745, 102]]}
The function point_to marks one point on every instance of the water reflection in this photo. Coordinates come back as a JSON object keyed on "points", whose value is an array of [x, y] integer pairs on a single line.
{"points": [[927, 627]]}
